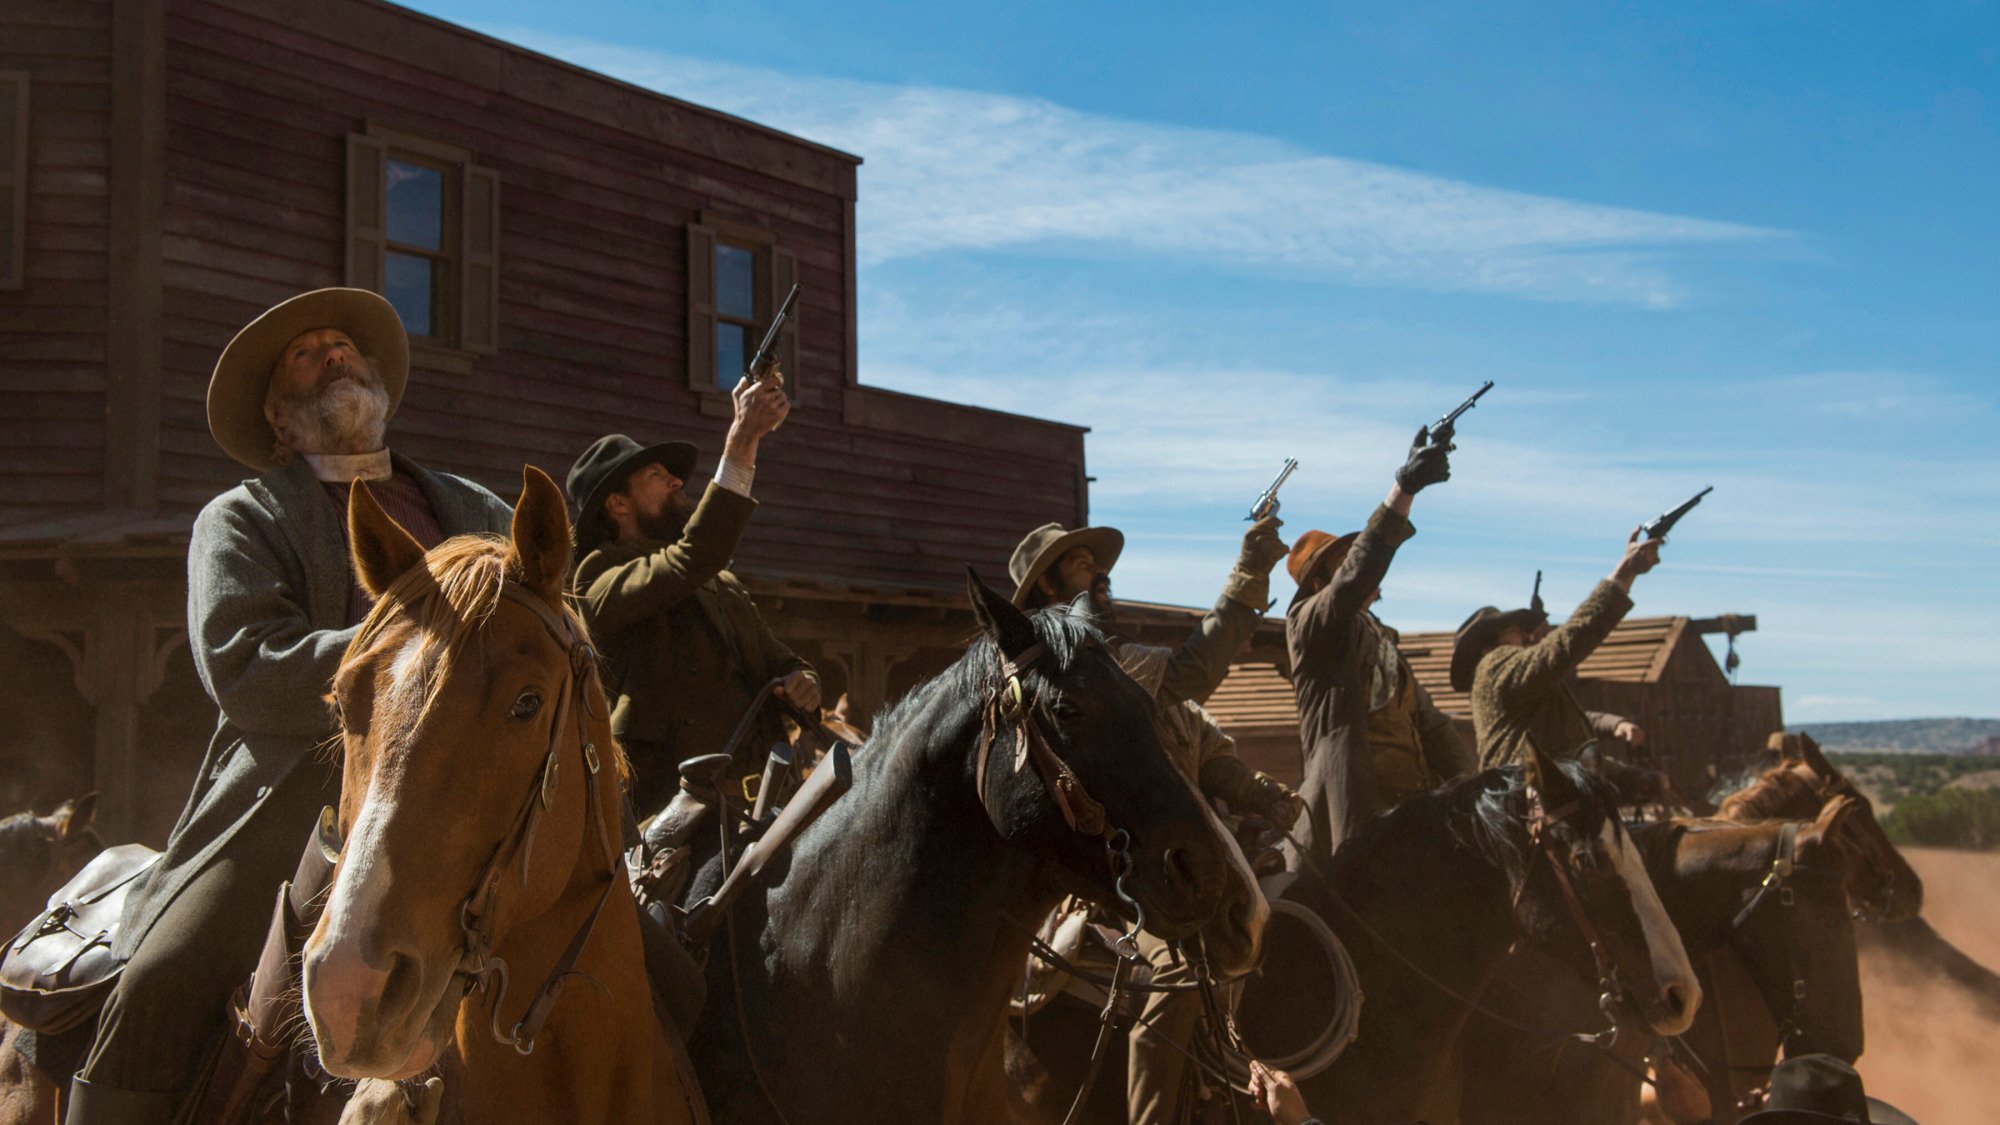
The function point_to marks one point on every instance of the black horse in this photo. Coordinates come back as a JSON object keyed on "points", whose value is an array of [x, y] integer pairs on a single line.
{"points": [[1787, 950], [869, 984], [1429, 899]]}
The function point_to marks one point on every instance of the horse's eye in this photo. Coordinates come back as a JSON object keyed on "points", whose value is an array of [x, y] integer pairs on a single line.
{"points": [[526, 706], [1064, 709]]}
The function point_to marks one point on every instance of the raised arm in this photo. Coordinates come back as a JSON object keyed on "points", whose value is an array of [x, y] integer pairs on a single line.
{"points": [[1203, 659]]}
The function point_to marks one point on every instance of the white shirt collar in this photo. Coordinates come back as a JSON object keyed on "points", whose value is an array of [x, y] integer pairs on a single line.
{"points": [[340, 468]]}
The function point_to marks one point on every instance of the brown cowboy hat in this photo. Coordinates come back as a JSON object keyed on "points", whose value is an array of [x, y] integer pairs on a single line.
{"points": [[1316, 549], [1479, 634], [1817, 1089], [243, 373], [1043, 546]]}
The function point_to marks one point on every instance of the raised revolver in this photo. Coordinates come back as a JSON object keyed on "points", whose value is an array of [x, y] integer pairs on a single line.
{"points": [[1267, 502], [1441, 430], [1658, 526]]}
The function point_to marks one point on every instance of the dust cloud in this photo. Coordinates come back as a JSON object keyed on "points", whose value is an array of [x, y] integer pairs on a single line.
{"points": [[1933, 1051]]}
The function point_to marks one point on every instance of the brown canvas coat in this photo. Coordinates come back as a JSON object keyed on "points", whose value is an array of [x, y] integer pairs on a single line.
{"points": [[1521, 695], [1326, 638], [685, 650]]}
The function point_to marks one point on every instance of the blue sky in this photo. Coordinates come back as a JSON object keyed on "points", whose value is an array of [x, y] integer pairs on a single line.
{"points": [[1746, 244]]}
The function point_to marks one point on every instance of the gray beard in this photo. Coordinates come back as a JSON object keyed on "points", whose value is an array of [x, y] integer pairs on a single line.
{"points": [[349, 416]]}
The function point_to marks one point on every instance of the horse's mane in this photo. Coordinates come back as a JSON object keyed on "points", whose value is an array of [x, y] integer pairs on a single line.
{"points": [[1761, 794], [1486, 813], [972, 675], [450, 598]]}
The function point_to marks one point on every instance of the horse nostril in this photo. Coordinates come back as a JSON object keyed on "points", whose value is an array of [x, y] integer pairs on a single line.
{"points": [[1675, 1001], [401, 985], [1180, 869]]}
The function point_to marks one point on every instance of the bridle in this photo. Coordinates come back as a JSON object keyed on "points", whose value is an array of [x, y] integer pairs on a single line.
{"points": [[1542, 844], [478, 911], [1776, 888]]}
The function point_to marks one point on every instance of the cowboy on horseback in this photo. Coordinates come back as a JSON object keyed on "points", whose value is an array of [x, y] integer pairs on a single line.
{"points": [[1373, 737], [685, 649], [1519, 670], [301, 396], [1052, 566]]}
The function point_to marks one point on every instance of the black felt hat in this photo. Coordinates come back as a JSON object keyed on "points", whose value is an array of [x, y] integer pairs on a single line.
{"points": [[605, 465], [1816, 1089], [1479, 634]]}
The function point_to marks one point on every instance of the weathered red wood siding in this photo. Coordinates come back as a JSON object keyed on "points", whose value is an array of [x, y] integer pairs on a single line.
{"points": [[53, 362], [599, 181]]}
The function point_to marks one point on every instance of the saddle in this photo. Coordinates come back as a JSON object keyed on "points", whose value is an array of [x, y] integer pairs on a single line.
{"points": [[59, 968]]}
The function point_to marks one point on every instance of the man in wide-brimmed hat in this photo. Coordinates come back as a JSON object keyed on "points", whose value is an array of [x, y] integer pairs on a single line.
{"points": [[685, 650], [1822, 1090], [302, 397], [1056, 565], [1370, 734], [1519, 671]]}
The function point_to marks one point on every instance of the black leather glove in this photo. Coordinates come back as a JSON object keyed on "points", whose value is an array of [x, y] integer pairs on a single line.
{"points": [[1261, 546], [1277, 802], [1429, 463]]}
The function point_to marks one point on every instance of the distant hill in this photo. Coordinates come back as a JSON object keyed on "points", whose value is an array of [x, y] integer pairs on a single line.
{"points": [[1908, 736]]}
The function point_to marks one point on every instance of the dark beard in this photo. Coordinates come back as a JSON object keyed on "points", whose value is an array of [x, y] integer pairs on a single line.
{"points": [[668, 526]]}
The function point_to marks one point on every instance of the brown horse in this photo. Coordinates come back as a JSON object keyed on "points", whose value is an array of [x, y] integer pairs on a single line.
{"points": [[482, 843], [38, 854], [1762, 912], [1880, 883]]}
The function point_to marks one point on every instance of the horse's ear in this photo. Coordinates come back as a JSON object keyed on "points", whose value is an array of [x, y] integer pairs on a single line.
{"points": [[1812, 755], [1083, 607], [383, 551], [1550, 781], [73, 817], [539, 558], [999, 618], [1824, 829]]}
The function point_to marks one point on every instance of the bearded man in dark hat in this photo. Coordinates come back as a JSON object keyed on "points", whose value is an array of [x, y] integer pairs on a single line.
{"points": [[1052, 566], [302, 397], [1371, 735], [685, 650], [1519, 671]]}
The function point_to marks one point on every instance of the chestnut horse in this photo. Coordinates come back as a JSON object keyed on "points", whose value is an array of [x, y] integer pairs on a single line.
{"points": [[870, 983], [38, 854], [1430, 899], [1763, 913], [481, 868]]}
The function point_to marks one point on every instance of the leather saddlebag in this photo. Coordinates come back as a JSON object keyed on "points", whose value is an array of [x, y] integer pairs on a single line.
{"points": [[59, 969]]}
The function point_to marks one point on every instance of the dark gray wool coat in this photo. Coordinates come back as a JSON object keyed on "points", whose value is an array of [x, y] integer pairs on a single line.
{"points": [[268, 580]]}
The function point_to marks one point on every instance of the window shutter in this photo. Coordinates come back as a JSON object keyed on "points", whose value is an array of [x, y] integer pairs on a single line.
{"points": [[367, 200], [13, 178], [701, 307], [479, 287], [785, 271]]}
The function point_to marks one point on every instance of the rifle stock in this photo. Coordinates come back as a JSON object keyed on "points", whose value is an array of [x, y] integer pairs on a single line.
{"points": [[830, 779]]}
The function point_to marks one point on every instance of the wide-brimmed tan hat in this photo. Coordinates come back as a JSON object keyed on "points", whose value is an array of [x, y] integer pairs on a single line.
{"points": [[1044, 545], [1316, 549], [243, 373], [1479, 634]]}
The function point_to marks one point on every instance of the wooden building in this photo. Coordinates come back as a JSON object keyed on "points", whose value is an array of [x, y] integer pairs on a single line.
{"points": [[1655, 671], [574, 256]]}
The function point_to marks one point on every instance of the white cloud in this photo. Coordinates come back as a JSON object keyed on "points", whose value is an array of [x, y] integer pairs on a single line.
{"points": [[951, 169]]}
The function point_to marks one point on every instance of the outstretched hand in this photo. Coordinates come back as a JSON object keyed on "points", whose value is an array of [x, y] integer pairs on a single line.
{"points": [[1261, 546], [1276, 1094], [1429, 462], [1641, 555]]}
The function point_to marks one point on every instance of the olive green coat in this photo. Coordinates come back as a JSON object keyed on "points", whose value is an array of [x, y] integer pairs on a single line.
{"points": [[685, 650], [1521, 695]]}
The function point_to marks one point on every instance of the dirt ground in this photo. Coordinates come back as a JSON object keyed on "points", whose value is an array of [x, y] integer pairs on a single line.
{"points": [[1928, 1053]]}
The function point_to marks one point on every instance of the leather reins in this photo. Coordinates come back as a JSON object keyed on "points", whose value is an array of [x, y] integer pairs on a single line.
{"points": [[476, 916], [479, 909]]}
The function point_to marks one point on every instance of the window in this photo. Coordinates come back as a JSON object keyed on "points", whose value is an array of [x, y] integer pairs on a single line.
{"points": [[736, 277], [423, 229], [13, 178]]}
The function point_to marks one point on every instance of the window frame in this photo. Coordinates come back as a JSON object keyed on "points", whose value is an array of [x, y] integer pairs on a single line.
{"points": [[465, 294], [14, 179], [773, 270]]}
